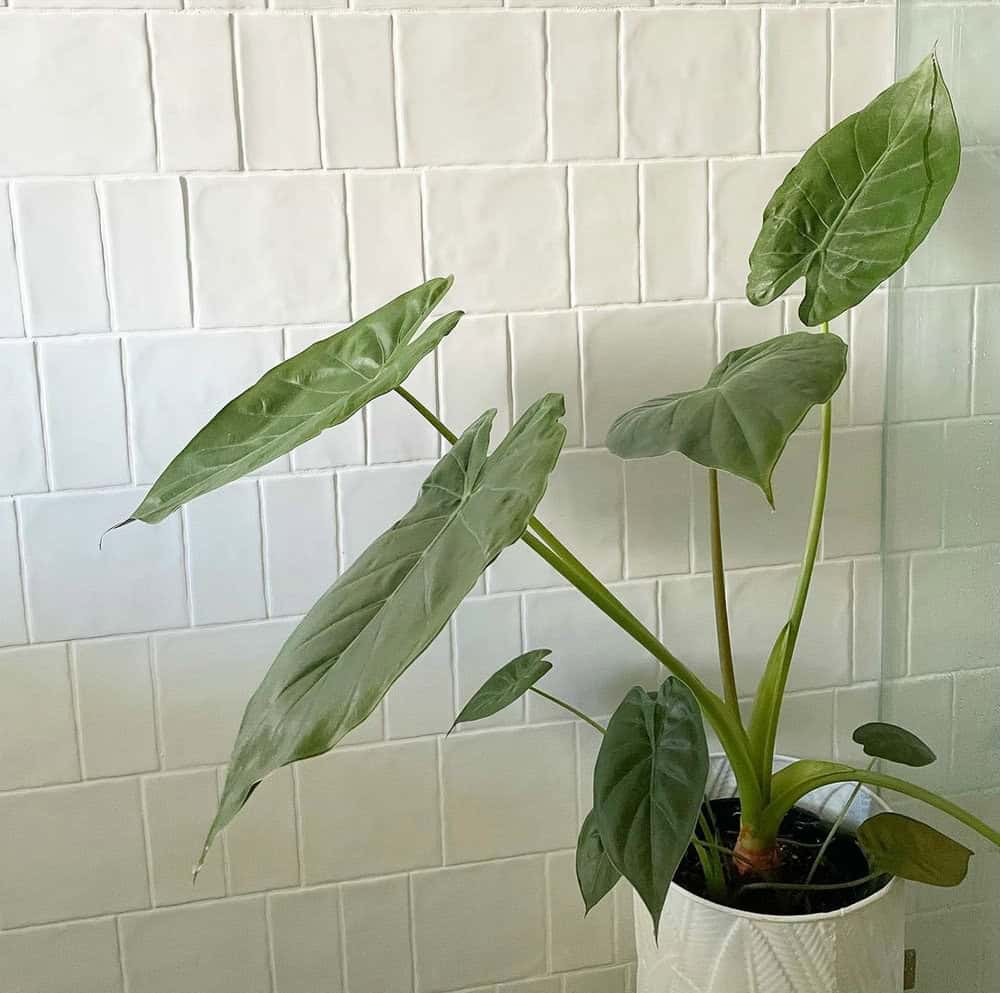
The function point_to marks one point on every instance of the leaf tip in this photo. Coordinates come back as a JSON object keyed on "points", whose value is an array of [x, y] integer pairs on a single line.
{"points": [[114, 527]]}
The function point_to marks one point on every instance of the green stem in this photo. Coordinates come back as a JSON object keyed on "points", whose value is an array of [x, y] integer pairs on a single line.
{"points": [[600, 729], [828, 840], [428, 415], [719, 591]]}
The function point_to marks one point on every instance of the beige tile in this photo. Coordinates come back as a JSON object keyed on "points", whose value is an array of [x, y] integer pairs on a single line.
{"points": [[577, 942], [305, 926], [377, 936]]}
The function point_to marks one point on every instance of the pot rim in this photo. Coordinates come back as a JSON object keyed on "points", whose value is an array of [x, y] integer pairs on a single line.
{"points": [[894, 883]]}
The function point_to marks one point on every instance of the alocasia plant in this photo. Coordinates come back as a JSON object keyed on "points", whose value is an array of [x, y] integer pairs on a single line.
{"points": [[847, 216]]}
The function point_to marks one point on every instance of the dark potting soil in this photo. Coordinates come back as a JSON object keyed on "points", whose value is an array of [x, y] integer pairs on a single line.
{"points": [[802, 833]]}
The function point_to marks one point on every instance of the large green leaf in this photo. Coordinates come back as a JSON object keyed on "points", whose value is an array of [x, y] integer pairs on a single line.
{"points": [[649, 784], [364, 632], [913, 850], [893, 743], [860, 200], [506, 685], [320, 387], [595, 873], [742, 418]]}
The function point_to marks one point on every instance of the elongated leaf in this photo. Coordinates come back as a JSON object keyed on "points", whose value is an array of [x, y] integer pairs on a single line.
{"points": [[320, 387], [595, 873], [742, 418], [913, 850], [649, 783], [505, 686], [801, 774], [378, 617], [893, 743], [860, 200], [763, 728]]}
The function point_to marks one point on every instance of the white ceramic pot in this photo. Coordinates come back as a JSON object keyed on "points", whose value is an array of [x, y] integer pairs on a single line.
{"points": [[705, 948]]}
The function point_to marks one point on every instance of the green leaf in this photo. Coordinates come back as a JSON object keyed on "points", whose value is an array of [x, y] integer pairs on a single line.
{"points": [[742, 418], [595, 872], [893, 743], [320, 387], [860, 200], [364, 632], [763, 728], [913, 850], [649, 784], [505, 686], [802, 774]]}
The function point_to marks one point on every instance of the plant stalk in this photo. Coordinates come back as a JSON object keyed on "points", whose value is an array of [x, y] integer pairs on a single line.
{"points": [[722, 634], [814, 868], [600, 729]]}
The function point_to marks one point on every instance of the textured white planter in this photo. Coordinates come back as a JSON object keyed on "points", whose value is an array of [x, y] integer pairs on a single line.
{"points": [[704, 948]]}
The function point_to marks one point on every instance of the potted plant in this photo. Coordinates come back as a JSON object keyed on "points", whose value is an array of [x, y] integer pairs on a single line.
{"points": [[785, 871]]}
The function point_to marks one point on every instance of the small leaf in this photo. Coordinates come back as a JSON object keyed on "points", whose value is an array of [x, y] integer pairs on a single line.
{"points": [[320, 387], [505, 686], [913, 850], [860, 200], [893, 743], [649, 784], [742, 418], [595, 872]]}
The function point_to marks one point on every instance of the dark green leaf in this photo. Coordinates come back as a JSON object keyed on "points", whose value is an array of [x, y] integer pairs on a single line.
{"points": [[505, 686], [913, 850], [320, 387], [896, 744], [594, 870], [649, 783], [742, 418], [860, 200], [379, 616]]}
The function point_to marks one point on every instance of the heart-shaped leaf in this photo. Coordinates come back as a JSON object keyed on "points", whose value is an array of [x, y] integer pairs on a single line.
{"points": [[505, 686], [320, 387], [366, 630], [913, 850], [860, 200], [742, 418], [649, 784], [893, 743], [595, 872]]}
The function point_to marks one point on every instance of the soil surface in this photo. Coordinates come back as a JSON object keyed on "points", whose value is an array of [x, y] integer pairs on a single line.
{"points": [[802, 833]]}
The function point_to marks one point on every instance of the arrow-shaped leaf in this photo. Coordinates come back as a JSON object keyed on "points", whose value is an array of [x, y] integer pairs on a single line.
{"points": [[595, 873], [366, 630], [893, 743], [505, 686], [320, 387], [913, 850], [860, 200], [742, 418]]}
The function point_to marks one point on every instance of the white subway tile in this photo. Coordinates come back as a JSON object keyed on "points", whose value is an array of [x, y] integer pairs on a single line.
{"points": [[77, 590], [862, 50], [714, 63], [179, 807], [224, 555], [385, 239], [551, 985], [925, 707], [216, 948], [37, 726], [896, 609], [58, 233], [583, 72], [22, 453], [370, 811], [604, 205], [396, 432], [64, 958], [355, 56], [509, 791], [80, 87], [807, 725], [377, 936], [177, 383], [115, 703], [855, 705], [268, 249], [277, 79], [867, 610], [305, 929], [195, 92], [869, 326], [226, 4], [421, 701], [795, 78], [145, 242], [71, 851], [741, 325], [13, 630], [986, 375], [578, 942], [633, 354], [11, 322], [657, 507], [853, 522], [300, 541], [674, 229], [913, 496], [479, 120], [546, 359], [971, 478], [977, 700], [502, 232], [77, 376], [475, 375], [604, 981]]}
